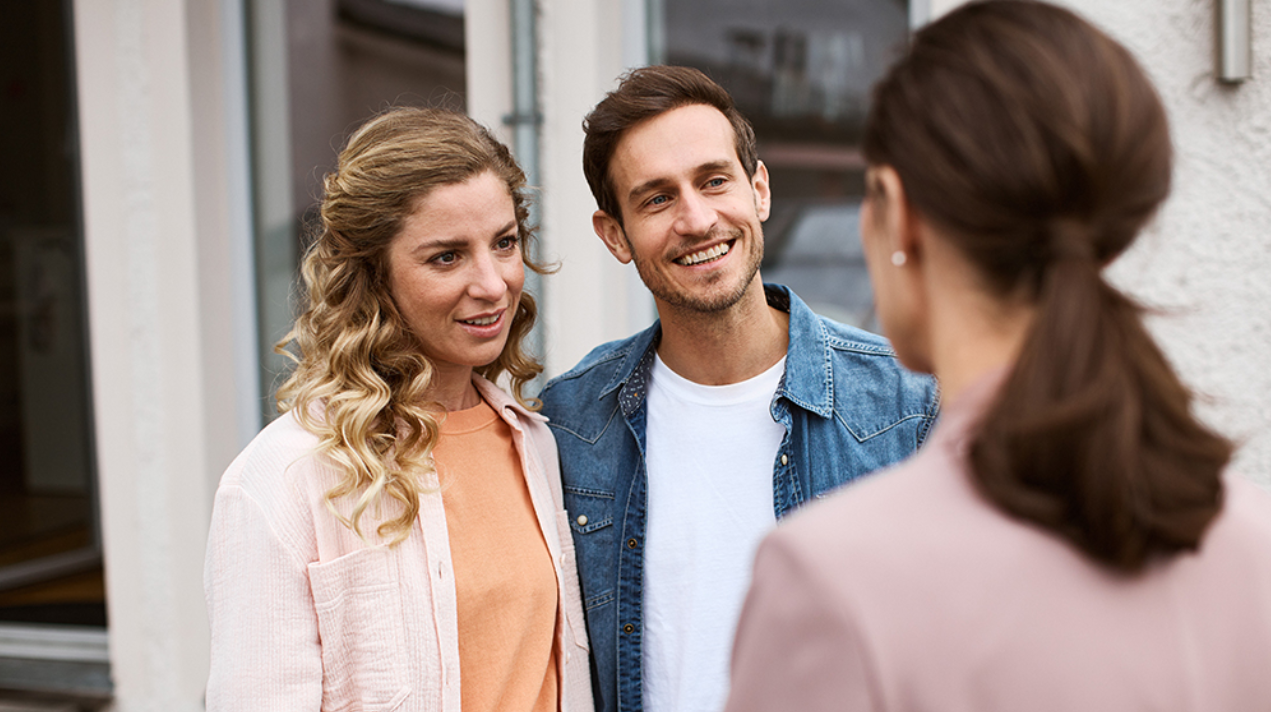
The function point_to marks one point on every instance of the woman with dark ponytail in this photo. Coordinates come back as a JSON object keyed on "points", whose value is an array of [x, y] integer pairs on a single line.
{"points": [[1067, 539]]}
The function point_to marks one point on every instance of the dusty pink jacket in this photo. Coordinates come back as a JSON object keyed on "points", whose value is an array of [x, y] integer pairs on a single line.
{"points": [[306, 616], [909, 592]]}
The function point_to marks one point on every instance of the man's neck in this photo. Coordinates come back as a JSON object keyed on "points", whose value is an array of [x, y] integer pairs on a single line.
{"points": [[728, 346]]}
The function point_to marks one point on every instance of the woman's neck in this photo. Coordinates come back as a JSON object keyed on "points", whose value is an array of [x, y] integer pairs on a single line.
{"points": [[971, 330], [453, 388], [970, 340]]}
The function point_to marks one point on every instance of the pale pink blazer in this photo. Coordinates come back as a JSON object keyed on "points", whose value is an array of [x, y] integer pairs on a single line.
{"points": [[910, 592], [306, 616]]}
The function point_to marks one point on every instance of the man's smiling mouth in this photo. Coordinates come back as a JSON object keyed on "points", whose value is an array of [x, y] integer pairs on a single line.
{"points": [[706, 255]]}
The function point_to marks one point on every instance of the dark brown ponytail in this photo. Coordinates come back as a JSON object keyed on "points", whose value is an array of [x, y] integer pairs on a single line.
{"points": [[1040, 147]]}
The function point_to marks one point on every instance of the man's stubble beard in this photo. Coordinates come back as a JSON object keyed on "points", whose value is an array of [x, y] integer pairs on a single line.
{"points": [[691, 302]]}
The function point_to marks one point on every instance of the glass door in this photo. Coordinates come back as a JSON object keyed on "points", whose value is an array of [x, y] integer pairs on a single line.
{"points": [[319, 68], [50, 553], [801, 71]]}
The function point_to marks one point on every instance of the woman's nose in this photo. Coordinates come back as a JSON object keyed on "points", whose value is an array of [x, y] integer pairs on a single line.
{"points": [[487, 282]]}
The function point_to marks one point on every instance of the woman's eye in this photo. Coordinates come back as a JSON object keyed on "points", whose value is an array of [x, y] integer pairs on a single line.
{"points": [[445, 258], [508, 242]]}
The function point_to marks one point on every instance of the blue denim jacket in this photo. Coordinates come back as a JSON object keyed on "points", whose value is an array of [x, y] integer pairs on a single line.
{"points": [[847, 406]]}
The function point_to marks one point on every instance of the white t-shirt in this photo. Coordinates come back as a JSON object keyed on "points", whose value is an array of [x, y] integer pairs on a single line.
{"points": [[710, 461]]}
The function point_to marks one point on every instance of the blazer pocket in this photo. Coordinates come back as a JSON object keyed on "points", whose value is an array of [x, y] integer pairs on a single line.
{"points": [[360, 623], [573, 592]]}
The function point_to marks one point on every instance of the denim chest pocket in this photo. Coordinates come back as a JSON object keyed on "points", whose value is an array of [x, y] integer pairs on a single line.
{"points": [[360, 623], [859, 448], [591, 518], [587, 426]]}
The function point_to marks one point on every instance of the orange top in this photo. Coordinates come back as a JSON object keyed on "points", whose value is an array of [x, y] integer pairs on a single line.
{"points": [[505, 582]]}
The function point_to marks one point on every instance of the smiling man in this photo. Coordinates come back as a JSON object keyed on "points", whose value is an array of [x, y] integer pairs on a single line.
{"points": [[682, 445]]}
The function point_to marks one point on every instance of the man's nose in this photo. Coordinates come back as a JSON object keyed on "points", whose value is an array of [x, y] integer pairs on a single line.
{"points": [[696, 217]]}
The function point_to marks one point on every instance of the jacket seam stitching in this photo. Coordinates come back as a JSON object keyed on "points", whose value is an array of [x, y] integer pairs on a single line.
{"points": [[870, 436]]}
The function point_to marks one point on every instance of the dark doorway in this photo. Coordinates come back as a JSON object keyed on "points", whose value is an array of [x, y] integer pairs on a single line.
{"points": [[50, 554]]}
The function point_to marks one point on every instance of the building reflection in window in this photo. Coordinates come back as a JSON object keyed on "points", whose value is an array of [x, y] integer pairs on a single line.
{"points": [[320, 68], [50, 552], [801, 71]]}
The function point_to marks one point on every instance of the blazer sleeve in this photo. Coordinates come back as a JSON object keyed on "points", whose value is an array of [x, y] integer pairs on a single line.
{"points": [[795, 647], [265, 650]]}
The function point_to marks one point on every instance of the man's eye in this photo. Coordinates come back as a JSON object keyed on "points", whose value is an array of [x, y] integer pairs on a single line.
{"points": [[445, 258], [715, 182], [658, 200]]}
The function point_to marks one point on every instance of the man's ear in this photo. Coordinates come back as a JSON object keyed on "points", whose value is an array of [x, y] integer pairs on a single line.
{"points": [[610, 233], [763, 191]]}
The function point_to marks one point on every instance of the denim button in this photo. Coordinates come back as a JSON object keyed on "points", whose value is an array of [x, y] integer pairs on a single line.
{"points": [[582, 520], [785, 460], [632, 543], [628, 628]]}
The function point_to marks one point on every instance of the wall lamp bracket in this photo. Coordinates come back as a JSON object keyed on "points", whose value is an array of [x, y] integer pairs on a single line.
{"points": [[1235, 41]]}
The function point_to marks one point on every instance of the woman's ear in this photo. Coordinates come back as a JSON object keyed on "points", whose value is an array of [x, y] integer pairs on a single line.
{"points": [[900, 222], [899, 266]]}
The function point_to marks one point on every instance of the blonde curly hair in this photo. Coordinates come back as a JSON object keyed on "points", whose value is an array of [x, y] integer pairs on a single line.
{"points": [[360, 377]]}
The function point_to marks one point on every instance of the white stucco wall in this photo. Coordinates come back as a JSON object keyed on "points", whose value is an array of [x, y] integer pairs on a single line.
{"points": [[1207, 260], [1205, 264]]}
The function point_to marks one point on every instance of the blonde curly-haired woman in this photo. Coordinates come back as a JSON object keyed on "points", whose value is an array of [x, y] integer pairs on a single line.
{"points": [[397, 540]]}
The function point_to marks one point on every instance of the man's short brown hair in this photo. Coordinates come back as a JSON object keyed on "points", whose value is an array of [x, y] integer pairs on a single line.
{"points": [[641, 95]]}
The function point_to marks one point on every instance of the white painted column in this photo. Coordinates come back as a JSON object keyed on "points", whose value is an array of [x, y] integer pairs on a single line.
{"points": [[163, 216], [582, 50], [488, 63], [923, 11], [591, 300]]}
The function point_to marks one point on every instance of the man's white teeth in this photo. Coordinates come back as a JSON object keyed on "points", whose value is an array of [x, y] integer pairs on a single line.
{"points": [[705, 255], [483, 321]]}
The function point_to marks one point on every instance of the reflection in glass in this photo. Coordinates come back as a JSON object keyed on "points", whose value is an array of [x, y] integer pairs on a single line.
{"points": [[50, 561], [801, 71], [320, 68]]}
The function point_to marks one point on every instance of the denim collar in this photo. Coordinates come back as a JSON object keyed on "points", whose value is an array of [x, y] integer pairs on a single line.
{"points": [[808, 380]]}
